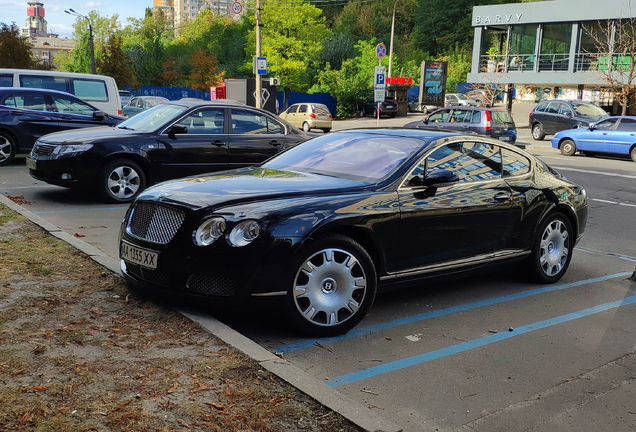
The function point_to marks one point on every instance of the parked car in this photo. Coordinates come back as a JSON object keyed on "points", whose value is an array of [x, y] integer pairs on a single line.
{"points": [[458, 99], [125, 96], [387, 108], [613, 135], [480, 96], [414, 106], [26, 114], [142, 103], [308, 116], [491, 122], [168, 141], [551, 116], [325, 225]]}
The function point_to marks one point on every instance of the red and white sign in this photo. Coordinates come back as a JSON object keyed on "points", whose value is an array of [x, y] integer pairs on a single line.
{"points": [[237, 7]]}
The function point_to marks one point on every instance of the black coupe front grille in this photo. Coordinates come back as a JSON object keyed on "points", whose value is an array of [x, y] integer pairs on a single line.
{"points": [[155, 223], [211, 285], [153, 276], [42, 150]]}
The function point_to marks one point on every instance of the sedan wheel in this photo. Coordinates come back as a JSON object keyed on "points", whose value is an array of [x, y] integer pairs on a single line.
{"points": [[633, 153], [568, 148], [8, 149], [306, 127], [121, 180], [333, 286], [537, 132], [551, 253]]}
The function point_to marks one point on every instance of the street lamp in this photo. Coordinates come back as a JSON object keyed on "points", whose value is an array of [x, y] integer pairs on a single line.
{"points": [[90, 36], [391, 45]]}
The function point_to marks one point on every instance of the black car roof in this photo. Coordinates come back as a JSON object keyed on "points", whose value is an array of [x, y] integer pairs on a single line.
{"points": [[7, 90], [422, 133]]}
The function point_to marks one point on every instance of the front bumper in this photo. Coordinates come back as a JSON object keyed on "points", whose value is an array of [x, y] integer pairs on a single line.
{"points": [[78, 171]]}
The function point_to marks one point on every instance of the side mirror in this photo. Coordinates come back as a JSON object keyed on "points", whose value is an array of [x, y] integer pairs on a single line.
{"points": [[177, 129], [425, 120], [99, 115], [591, 127], [440, 178]]}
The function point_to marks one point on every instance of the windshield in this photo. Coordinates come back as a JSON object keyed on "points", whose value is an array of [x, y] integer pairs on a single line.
{"points": [[358, 156], [152, 119], [462, 97], [589, 110]]}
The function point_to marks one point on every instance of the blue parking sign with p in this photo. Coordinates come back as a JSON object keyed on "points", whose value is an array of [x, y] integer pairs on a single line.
{"points": [[380, 79]]}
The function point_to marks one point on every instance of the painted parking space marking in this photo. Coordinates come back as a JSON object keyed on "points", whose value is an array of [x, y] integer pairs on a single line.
{"points": [[603, 201], [28, 187], [428, 315], [596, 172], [466, 346]]}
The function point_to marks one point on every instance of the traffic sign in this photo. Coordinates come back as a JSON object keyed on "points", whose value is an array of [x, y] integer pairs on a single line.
{"points": [[380, 78], [237, 7], [260, 65], [380, 50], [379, 95]]}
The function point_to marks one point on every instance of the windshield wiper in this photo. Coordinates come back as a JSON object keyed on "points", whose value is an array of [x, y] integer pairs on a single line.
{"points": [[124, 127]]}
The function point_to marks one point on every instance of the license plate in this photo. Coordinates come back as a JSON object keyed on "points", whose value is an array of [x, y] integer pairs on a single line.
{"points": [[143, 257], [504, 138], [31, 163]]}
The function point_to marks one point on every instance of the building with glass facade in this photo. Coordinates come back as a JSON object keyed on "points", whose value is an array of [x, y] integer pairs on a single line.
{"points": [[550, 48]]}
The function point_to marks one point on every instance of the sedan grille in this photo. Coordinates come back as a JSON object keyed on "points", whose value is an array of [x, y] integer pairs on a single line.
{"points": [[211, 285], [42, 150], [155, 223]]}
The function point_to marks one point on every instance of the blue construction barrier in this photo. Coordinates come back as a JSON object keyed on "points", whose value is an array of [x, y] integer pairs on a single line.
{"points": [[294, 97]]}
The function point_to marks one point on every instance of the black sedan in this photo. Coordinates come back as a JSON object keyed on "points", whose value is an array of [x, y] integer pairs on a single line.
{"points": [[26, 114], [326, 224], [165, 142]]}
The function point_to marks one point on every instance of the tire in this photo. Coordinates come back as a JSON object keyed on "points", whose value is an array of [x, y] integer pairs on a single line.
{"points": [[552, 249], [537, 132], [424, 110], [567, 147], [332, 285], [306, 127], [362, 113], [326, 130], [8, 148], [632, 153], [121, 180]]}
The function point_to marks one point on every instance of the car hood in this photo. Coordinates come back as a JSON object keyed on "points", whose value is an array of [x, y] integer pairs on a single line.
{"points": [[247, 185], [83, 135]]}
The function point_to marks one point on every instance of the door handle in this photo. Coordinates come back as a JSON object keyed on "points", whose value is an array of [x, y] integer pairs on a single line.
{"points": [[274, 143], [502, 196], [218, 143], [67, 118], [17, 113]]}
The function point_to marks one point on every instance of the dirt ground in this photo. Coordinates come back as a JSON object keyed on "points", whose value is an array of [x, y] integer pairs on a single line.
{"points": [[79, 351]]}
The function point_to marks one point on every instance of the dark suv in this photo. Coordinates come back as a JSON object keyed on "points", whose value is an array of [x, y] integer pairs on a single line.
{"points": [[491, 122], [552, 116]]}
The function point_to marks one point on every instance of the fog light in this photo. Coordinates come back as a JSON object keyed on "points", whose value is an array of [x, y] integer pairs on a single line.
{"points": [[67, 176]]}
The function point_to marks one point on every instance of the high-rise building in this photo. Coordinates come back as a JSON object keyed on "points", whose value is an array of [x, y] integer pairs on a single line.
{"points": [[181, 11], [46, 46], [35, 23]]}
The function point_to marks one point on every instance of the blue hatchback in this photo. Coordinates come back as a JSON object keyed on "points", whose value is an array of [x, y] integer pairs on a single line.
{"points": [[613, 135]]}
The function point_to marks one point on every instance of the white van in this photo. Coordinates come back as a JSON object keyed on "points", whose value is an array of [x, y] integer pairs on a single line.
{"points": [[98, 90]]}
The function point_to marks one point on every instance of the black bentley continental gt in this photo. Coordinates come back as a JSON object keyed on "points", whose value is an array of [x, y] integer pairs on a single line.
{"points": [[172, 140], [326, 224]]}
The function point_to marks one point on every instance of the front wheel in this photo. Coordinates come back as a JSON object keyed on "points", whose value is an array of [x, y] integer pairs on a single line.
{"points": [[306, 127], [121, 180], [632, 153], [552, 249], [537, 132], [568, 148], [333, 285], [326, 130], [424, 110], [8, 149]]}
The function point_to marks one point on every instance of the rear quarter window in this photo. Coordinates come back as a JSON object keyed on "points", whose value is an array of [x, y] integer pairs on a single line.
{"points": [[90, 90], [514, 164], [6, 80], [541, 107]]}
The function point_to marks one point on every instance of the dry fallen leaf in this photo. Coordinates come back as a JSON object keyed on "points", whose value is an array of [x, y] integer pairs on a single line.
{"points": [[79, 235], [49, 335], [181, 422], [173, 388], [216, 405], [40, 388]]}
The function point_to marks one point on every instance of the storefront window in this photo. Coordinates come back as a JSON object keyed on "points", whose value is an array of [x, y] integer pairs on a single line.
{"points": [[594, 37], [555, 47], [522, 44]]}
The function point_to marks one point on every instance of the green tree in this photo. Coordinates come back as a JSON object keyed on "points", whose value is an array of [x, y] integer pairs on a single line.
{"points": [[459, 64], [291, 39], [15, 51], [338, 48], [79, 59], [115, 63]]}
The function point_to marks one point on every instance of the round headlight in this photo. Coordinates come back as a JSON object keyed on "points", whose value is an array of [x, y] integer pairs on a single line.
{"points": [[244, 233], [209, 231]]}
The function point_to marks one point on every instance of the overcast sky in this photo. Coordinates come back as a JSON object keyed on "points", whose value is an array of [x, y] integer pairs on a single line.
{"points": [[62, 23]]}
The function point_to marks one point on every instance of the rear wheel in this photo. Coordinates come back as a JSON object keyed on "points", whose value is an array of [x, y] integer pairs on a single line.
{"points": [[568, 148], [121, 180], [326, 130], [632, 153], [424, 110], [537, 132], [306, 127], [8, 148], [333, 285], [552, 249]]}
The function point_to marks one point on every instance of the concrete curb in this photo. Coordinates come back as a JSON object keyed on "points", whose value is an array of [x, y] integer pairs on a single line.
{"points": [[327, 396]]}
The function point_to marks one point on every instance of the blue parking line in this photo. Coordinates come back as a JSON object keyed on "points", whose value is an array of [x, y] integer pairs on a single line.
{"points": [[455, 349], [79, 210], [427, 315]]}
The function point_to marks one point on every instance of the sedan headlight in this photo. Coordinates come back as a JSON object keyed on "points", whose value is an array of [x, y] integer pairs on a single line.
{"points": [[244, 233], [209, 231], [69, 150]]}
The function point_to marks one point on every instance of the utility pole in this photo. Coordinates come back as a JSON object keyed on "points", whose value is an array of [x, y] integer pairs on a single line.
{"points": [[90, 36], [391, 44], [259, 83]]}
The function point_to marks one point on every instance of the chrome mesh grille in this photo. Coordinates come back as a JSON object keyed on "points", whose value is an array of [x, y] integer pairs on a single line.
{"points": [[42, 150], [211, 285], [155, 223], [153, 276]]}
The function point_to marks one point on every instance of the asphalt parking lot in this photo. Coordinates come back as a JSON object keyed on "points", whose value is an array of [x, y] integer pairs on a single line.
{"points": [[488, 353]]}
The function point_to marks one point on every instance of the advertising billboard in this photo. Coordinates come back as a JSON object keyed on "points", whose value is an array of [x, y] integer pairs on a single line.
{"points": [[433, 82]]}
